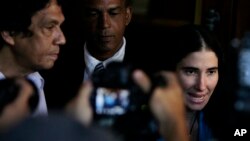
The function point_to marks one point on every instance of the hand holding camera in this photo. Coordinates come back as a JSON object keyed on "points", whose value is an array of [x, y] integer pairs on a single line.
{"points": [[18, 100], [166, 104], [131, 102]]}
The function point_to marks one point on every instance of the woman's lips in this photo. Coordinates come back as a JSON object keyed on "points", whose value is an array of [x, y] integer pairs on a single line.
{"points": [[196, 98]]}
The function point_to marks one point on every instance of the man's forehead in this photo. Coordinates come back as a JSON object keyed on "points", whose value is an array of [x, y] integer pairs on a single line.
{"points": [[103, 2]]}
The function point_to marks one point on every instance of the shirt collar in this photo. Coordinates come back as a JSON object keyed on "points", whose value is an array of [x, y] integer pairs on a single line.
{"points": [[37, 79], [2, 76], [91, 62]]}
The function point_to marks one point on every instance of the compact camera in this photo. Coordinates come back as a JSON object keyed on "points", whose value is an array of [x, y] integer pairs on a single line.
{"points": [[115, 91], [119, 103]]}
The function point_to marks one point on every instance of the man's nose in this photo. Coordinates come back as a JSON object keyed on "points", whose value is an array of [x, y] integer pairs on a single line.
{"points": [[105, 21], [60, 38]]}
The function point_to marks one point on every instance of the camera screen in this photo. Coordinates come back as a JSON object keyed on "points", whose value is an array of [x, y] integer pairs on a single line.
{"points": [[111, 101]]}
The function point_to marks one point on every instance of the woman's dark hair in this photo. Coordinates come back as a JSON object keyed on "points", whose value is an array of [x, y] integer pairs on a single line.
{"points": [[180, 42], [191, 38]]}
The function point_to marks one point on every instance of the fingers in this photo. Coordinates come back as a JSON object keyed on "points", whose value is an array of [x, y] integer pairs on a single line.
{"points": [[85, 91], [170, 77], [80, 106], [19, 109], [26, 90], [167, 102], [170, 95], [142, 80], [167, 105]]}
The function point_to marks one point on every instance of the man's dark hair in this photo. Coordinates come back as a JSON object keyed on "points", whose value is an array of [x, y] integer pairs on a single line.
{"points": [[128, 3], [15, 15]]}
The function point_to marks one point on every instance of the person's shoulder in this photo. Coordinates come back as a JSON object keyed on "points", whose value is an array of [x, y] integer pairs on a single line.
{"points": [[56, 127]]}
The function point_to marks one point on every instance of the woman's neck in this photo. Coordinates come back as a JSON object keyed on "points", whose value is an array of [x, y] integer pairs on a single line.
{"points": [[192, 121], [191, 117]]}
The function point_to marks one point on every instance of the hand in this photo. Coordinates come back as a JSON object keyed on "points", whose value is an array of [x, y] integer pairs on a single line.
{"points": [[18, 109], [80, 106], [167, 105]]}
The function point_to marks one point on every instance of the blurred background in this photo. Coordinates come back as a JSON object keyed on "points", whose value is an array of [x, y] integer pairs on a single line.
{"points": [[228, 18]]}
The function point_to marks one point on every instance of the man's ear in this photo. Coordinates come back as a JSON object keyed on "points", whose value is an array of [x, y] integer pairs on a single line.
{"points": [[7, 37], [129, 12]]}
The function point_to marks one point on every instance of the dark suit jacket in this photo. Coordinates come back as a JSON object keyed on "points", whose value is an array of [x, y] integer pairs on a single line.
{"points": [[64, 79]]}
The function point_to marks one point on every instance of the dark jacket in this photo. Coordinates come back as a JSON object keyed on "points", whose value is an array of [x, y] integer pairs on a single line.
{"points": [[64, 79], [62, 82]]}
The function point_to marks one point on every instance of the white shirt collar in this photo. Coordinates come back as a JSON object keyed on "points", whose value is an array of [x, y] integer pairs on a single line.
{"points": [[42, 105], [91, 62], [37, 79], [2, 76]]}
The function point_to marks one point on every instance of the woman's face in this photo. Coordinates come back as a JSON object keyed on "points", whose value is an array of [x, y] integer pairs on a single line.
{"points": [[198, 75]]}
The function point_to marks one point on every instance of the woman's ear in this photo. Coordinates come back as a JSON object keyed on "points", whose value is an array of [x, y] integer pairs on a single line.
{"points": [[7, 37]]}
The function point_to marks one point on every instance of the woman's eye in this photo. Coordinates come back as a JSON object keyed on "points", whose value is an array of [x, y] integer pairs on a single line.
{"points": [[190, 72], [211, 72]]}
